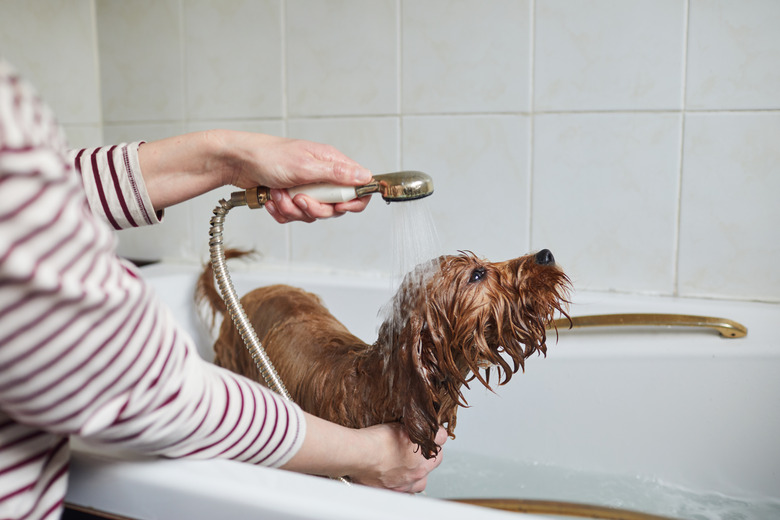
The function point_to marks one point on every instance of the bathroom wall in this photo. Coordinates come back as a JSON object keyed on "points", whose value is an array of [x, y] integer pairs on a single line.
{"points": [[638, 140]]}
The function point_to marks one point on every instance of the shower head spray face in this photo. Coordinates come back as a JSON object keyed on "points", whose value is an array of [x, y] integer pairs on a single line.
{"points": [[399, 186]]}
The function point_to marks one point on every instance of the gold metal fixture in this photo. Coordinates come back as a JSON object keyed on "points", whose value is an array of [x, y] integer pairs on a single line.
{"points": [[399, 186], [725, 327], [393, 187], [551, 507]]}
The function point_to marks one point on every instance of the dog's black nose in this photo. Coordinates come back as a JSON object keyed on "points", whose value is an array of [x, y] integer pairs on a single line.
{"points": [[545, 257]]}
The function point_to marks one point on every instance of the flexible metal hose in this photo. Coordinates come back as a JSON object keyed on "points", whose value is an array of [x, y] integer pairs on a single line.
{"points": [[233, 304]]}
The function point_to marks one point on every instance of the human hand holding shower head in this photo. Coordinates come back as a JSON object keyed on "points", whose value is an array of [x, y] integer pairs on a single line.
{"points": [[394, 187]]}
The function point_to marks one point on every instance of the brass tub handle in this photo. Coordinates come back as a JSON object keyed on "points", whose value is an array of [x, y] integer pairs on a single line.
{"points": [[551, 507], [727, 328]]}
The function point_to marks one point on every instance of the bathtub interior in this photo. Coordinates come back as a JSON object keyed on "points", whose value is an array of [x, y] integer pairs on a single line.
{"points": [[677, 422]]}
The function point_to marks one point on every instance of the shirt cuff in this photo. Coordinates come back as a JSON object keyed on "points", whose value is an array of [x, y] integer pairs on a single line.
{"points": [[114, 185]]}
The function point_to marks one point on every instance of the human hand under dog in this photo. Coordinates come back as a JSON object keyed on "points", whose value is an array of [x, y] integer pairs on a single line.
{"points": [[400, 465], [179, 168], [377, 456]]}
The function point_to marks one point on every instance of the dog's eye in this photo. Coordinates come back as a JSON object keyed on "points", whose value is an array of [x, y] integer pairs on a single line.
{"points": [[477, 274]]}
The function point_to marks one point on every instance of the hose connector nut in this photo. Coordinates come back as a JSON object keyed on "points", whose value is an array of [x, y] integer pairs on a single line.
{"points": [[257, 197]]}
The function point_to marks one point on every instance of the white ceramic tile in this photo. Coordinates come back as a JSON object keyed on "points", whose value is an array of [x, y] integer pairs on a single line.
{"points": [[341, 57], [373, 142], [125, 133], [734, 54], [84, 136], [479, 166], [168, 240], [607, 55], [730, 218], [233, 58], [353, 241], [465, 56], [171, 238], [605, 197], [140, 60], [244, 228], [51, 43]]}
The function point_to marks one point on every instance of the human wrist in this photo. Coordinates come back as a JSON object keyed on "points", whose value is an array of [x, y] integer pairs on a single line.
{"points": [[178, 168], [221, 155], [361, 453]]}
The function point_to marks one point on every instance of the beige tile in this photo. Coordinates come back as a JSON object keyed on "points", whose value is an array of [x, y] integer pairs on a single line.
{"points": [[140, 60], [734, 54], [466, 56], [479, 166], [606, 55], [233, 59], [341, 57], [605, 197], [730, 219], [51, 43]]}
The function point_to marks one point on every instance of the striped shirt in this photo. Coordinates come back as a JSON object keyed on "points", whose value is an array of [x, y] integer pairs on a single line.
{"points": [[86, 348]]}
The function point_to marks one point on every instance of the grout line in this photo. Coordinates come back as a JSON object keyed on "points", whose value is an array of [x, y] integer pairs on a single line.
{"points": [[399, 30], [283, 58], [190, 248], [285, 112], [531, 123], [681, 157], [183, 61], [285, 118], [95, 41]]}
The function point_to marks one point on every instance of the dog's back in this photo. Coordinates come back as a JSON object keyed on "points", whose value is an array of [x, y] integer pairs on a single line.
{"points": [[298, 333]]}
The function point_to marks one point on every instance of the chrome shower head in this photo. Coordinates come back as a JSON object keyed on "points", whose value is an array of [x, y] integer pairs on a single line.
{"points": [[398, 186]]}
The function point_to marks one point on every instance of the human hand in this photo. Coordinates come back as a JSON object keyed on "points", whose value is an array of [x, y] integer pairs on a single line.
{"points": [[379, 456], [399, 464], [277, 162], [179, 168]]}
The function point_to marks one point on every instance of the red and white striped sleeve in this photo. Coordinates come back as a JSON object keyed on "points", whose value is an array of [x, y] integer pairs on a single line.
{"points": [[114, 185], [86, 348]]}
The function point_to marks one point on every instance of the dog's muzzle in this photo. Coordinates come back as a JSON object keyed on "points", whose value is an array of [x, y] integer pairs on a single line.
{"points": [[544, 257]]}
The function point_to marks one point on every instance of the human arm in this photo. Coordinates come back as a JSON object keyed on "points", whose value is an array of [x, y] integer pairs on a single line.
{"points": [[179, 168], [379, 456], [87, 349]]}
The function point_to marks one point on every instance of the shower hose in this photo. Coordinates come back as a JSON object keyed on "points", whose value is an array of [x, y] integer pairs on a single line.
{"points": [[274, 382], [234, 308]]}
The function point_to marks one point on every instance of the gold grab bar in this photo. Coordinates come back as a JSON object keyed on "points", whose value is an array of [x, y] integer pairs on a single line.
{"points": [[549, 507], [727, 328]]}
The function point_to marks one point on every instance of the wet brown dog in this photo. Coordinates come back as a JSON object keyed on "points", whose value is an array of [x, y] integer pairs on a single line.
{"points": [[449, 319]]}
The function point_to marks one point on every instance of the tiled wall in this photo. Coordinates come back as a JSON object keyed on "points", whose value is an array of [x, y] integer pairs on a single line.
{"points": [[639, 140]]}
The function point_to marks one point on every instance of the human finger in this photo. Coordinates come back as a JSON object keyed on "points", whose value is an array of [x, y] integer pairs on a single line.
{"points": [[315, 209], [272, 210], [353, 206], [287, 208], [441, 436], [334, 166]]}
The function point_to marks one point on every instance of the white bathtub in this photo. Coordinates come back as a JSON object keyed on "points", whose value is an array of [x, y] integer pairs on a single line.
{"points": [[676, 422]]}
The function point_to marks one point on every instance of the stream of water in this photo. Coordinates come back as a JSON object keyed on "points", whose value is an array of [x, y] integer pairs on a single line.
{"points": [[415, 238]]}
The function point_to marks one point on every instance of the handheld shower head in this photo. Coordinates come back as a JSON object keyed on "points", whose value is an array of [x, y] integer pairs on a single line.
{"points": [[394, 187], [399, 186]]}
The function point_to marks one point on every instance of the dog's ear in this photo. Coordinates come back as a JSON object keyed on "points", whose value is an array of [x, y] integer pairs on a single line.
{"points": [[420, 415], [435, 356]]}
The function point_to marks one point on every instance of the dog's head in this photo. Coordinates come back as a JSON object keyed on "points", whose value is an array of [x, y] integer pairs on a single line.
{"points": [[461, 314]]}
